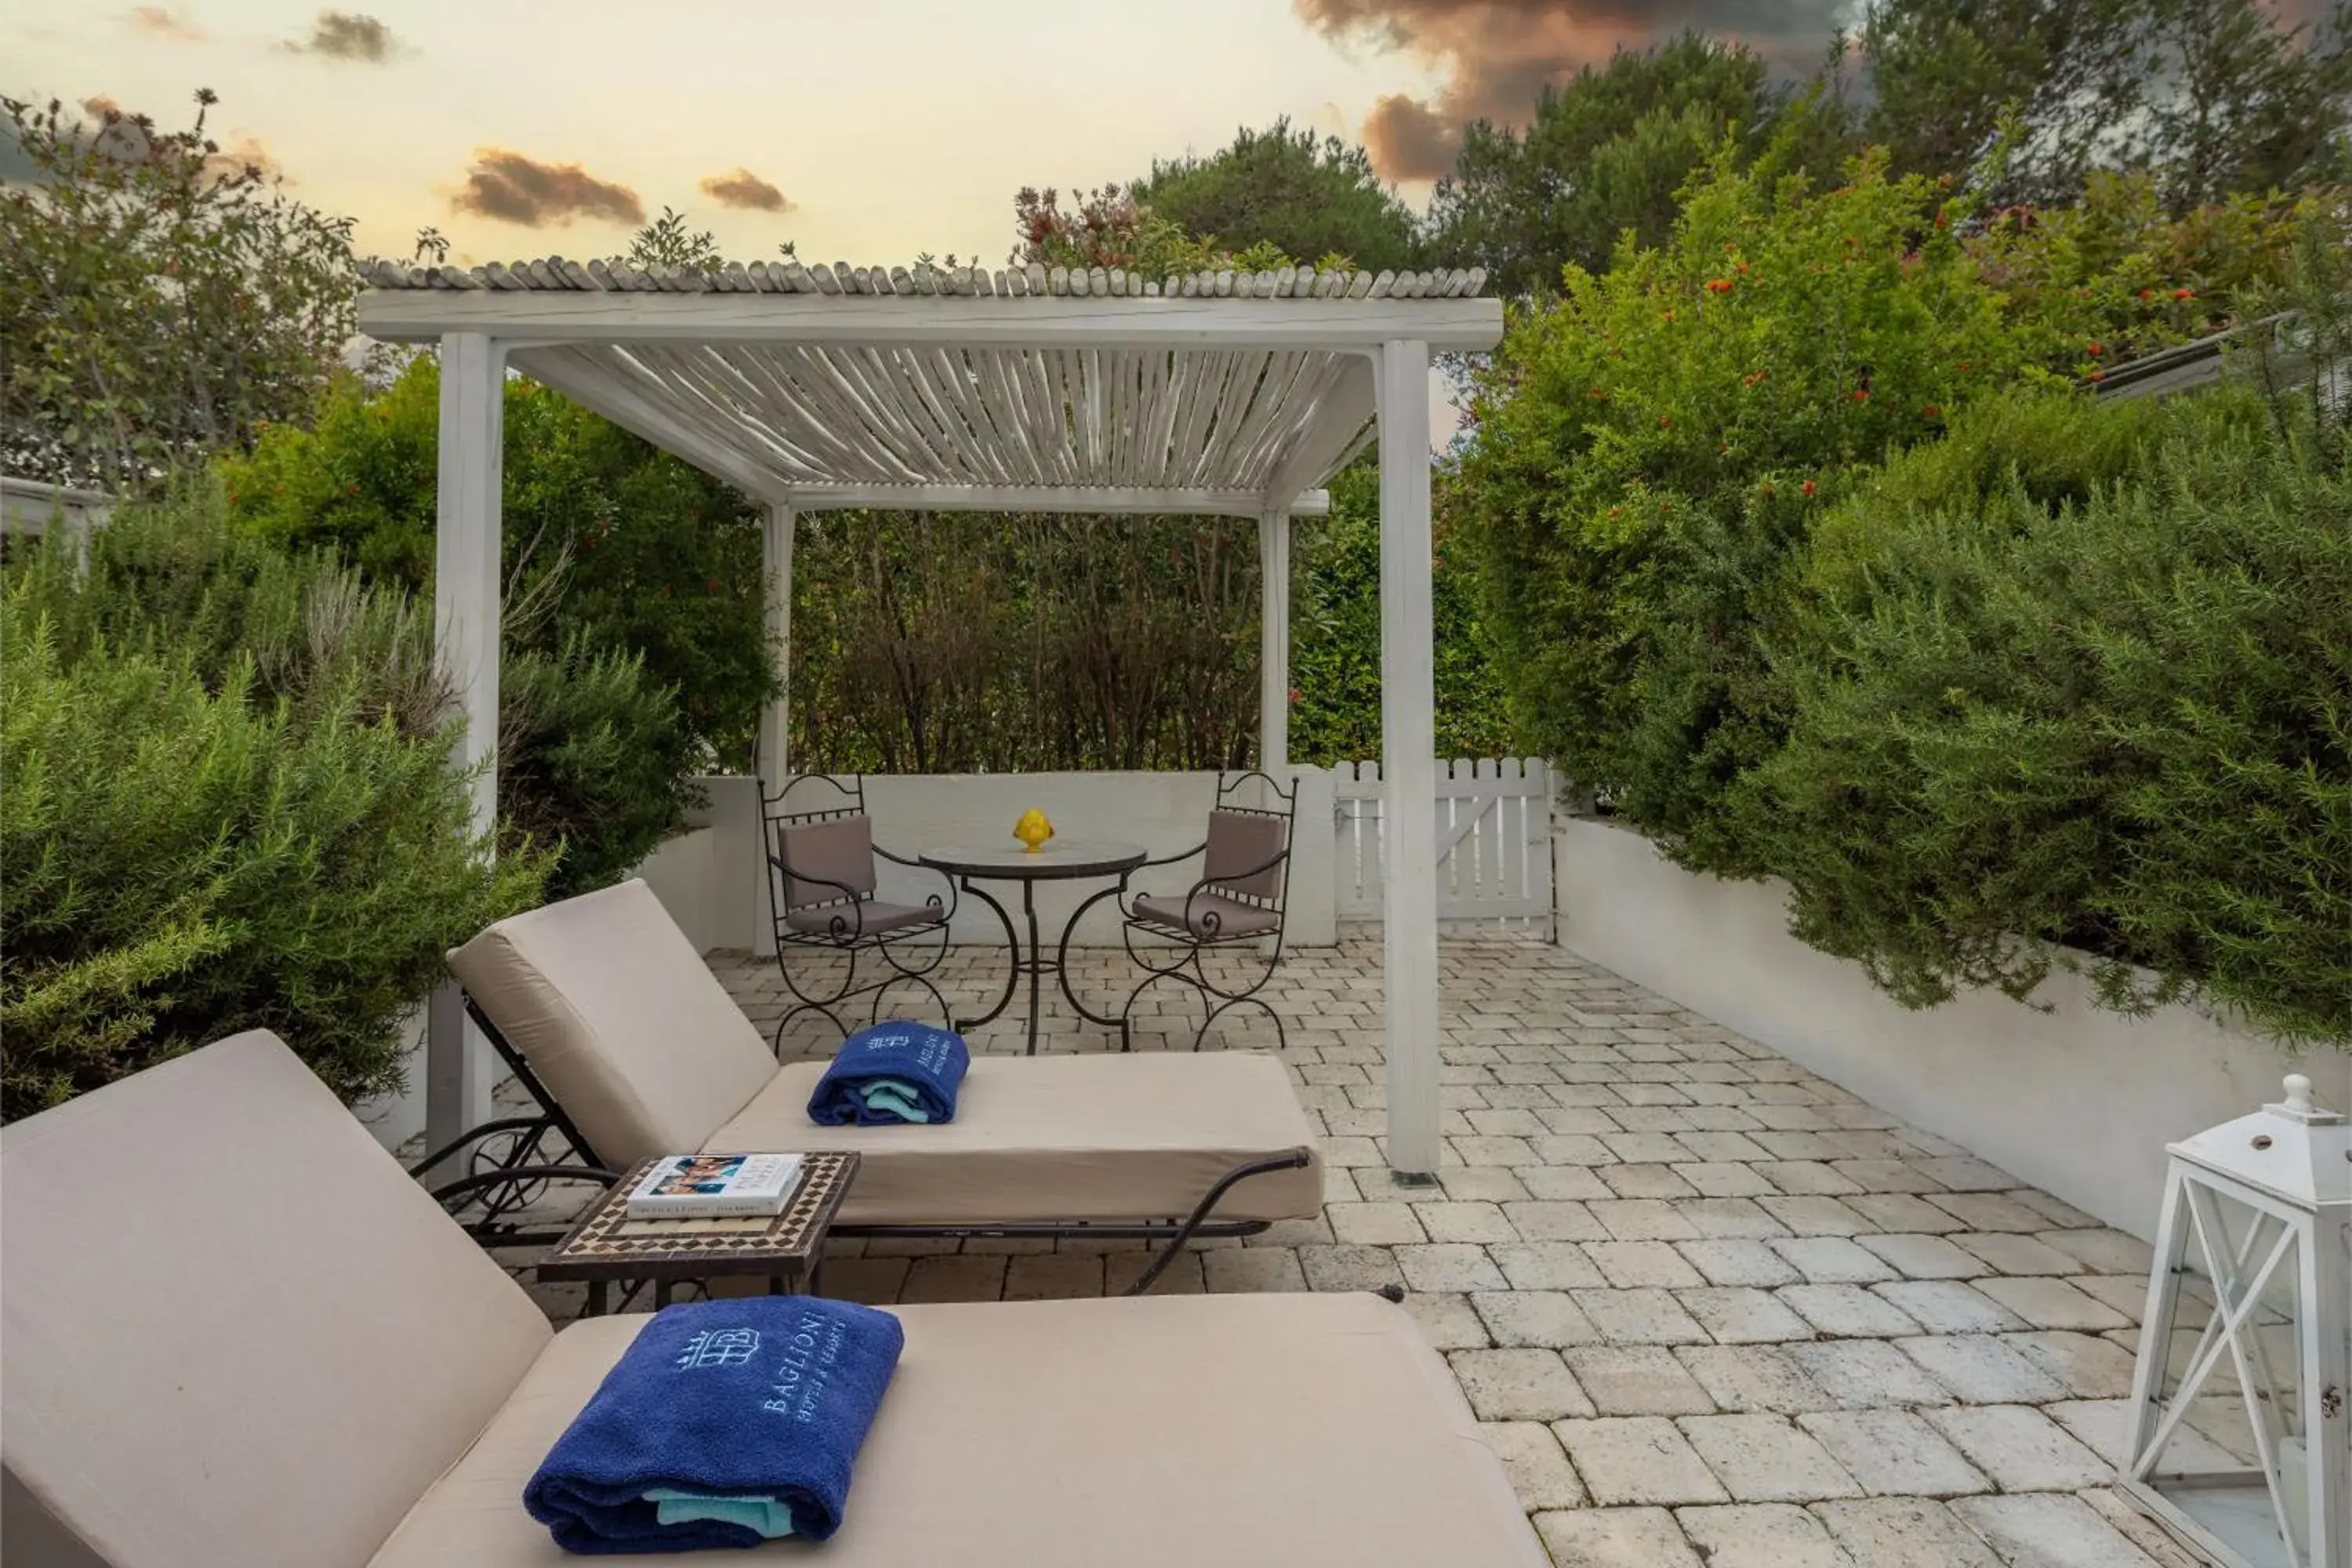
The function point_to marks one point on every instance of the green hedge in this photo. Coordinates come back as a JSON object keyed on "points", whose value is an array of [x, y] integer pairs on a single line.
{"points": [[2056, 717], [1650, 449], [197, 840]]}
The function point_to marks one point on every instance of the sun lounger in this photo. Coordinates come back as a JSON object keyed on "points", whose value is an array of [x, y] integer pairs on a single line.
{"points": [[237, 1337], [612, 1021]]}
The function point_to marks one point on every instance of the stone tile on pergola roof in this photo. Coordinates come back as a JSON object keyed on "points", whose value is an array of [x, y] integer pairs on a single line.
{"points": [[1029, 389]]}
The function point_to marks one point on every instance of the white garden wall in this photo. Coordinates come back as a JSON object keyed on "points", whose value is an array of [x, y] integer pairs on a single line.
{"points": [[2076, 1100]]}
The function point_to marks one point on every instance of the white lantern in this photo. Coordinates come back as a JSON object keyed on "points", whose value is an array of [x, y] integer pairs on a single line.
{"points": [[2240, 1441]]}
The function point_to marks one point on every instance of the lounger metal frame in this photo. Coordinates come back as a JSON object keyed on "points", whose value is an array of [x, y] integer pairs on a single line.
{"points": [[508, 1177]]}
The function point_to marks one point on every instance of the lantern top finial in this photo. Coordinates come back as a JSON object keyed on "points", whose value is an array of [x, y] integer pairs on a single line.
{"points": [[2299, 1105]]}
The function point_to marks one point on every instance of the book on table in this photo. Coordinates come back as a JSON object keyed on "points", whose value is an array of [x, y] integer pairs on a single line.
{"points": [[712, 1186]]}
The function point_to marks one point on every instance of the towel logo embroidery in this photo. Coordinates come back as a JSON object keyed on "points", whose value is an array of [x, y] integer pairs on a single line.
{"points": [[805, 1369], [718, 1347]]}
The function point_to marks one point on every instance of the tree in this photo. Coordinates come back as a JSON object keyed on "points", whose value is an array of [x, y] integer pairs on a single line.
{"points": [[2217, 97], [1946, 76], [2252, 104], [1609, 152], [1284, 188], [158, 298]]}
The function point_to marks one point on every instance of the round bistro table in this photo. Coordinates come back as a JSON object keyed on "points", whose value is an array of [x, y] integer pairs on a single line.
{"points": [[1061, 861]]}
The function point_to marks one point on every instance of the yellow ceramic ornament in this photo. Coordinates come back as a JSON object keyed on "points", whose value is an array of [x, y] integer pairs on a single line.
{"points": [[1032, 829]]}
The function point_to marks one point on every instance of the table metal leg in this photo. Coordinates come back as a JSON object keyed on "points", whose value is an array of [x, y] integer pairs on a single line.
{"points": [[596, 1299], [1012, 969], [1037, 956]]}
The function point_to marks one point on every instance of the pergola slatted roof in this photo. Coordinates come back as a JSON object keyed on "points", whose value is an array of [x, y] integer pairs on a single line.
{"points": [[1218, 392], [1030, 389]]}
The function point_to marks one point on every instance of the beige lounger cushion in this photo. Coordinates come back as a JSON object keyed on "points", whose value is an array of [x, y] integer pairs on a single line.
{"points": [[236, 1334], [1099, 1137], [1165, 1431], [619, 1017]]}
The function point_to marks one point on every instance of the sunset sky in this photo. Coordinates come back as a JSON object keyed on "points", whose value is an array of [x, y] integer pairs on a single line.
{"points": [[863, 132]]}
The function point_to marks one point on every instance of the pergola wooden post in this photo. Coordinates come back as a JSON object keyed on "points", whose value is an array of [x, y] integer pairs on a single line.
{"points": [[1273, 644], [1032, 389]]}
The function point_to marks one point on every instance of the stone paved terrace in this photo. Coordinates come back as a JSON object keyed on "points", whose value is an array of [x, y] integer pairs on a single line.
{"points": [[1711, 1309]]}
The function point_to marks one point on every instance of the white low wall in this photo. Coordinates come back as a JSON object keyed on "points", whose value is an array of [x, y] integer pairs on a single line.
{"points": [[683, 873], [395, 1119], [2076, 1100], [1162, 812]]}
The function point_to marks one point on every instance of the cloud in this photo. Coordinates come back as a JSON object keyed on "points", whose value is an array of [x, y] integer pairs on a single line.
{"points": [[348, 35], [247, 151], [162, 22], [513, 188], [743, 188], [1497, 55]]}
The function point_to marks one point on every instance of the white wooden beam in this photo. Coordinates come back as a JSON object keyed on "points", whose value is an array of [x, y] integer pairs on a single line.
{"points": [[775, 727], [467, 568], [1408, 762], [1340, 419], [1120, 498], [776, 568], [1273, 644], [415, 315], [574, 374]]}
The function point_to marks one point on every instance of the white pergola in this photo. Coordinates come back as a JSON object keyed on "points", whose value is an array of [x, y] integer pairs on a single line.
{"points": [[1030, 389]]}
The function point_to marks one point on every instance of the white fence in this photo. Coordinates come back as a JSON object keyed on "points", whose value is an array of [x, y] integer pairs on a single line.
{"points": [[1494, 841]]}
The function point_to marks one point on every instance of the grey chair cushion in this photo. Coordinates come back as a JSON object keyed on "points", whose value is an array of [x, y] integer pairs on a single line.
{"points": [[868, 917], [1240, 843], [1209, 914], [840, 852]]}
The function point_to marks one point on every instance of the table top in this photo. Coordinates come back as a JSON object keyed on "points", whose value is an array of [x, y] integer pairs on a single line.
{"points": [[608, 1245], [1057, 857]]}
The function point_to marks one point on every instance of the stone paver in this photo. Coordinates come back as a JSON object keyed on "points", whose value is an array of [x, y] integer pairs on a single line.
{"points": [[1980, 1370], [1538, 1469], [2020, 1448], [1638, 1460], [1616, 1538], [1905, 1532], [2049, 1531], [1518, 1384], [1893, 1453], [1700, 1297], [1769, 1535], [1637, 1380], [1764, 1458]]}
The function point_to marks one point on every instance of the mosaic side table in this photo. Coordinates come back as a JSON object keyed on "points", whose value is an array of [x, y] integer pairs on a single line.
{"points": [[787, 1247]]}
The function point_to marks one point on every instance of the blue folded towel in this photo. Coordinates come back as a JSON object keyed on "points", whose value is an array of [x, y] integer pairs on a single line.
{"points": [[726, 1423], [889, 1073]]}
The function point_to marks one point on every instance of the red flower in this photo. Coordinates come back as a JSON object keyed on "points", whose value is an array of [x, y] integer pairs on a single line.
{"points": [[1809, 486], [1862, 395], [1932, 411], [1739, 266], [1942, 221], [1963, 367], [2147, 294], [2184, 293], [1718, 284], [2094, 348], [1664, 420], [1293, 694]]}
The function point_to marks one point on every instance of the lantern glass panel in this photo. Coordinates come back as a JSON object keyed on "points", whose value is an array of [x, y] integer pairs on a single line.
{"points": [[2233, 1459]]}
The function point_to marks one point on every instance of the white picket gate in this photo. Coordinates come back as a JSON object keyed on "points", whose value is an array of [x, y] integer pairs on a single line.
{"points": [[1494, 841]]}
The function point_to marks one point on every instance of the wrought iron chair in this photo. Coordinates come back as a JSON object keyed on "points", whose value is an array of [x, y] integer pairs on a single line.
{"points": [[1234, 906], [820, 896]]}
